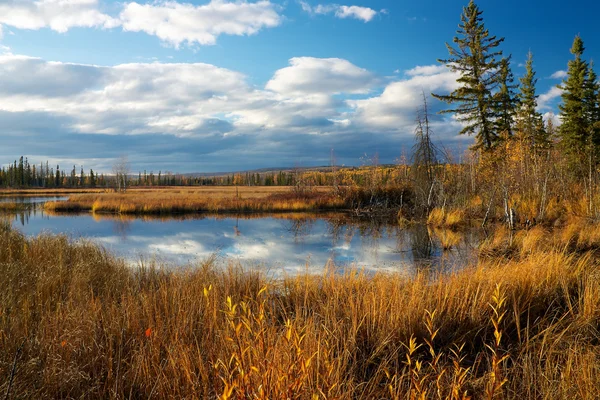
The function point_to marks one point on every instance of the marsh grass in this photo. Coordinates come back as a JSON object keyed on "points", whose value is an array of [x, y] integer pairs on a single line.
{"points": [[12, 207], [444, 218], [90, 326], [216, 201]]}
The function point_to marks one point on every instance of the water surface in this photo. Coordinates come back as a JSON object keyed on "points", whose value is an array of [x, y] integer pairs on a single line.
{"points": [[278, 243]]}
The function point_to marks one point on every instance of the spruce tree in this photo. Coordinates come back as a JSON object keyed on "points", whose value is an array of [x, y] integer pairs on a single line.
{"points": [[529, 120], [505, 100], [476, 58], [574, 131], [592, 109]]}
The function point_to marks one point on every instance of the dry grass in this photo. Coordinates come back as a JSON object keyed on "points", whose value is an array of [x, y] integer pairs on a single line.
{"points": [[77, 323], [443, 218], [214, 200], [14, 207]]}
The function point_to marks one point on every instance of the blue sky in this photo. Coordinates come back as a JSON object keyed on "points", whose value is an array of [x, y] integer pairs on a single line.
{"points": [[228, 85]]}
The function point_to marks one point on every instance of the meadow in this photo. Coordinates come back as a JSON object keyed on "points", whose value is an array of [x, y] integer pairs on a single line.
{"points": [[522, 322]]}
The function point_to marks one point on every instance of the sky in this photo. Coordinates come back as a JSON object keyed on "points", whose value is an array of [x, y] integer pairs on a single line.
{"points": [[221, 85]]}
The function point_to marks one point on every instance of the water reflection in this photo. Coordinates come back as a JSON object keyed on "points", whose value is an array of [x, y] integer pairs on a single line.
{"points": [[284, 243]]}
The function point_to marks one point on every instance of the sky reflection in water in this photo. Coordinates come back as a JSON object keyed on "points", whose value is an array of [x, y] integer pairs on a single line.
{"points": [[279, 244]]}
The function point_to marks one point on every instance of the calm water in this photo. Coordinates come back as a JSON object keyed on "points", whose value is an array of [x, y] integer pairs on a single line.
{"points": [[280, 244]]}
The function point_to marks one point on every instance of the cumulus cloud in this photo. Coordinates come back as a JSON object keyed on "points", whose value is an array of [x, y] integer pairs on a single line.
{"points": [[173, 22], [175, 114], [395, 107], [559, 75], [365, 14], [176, 23], [427, 70], [308, 75], [545, 99], [58, 15]]}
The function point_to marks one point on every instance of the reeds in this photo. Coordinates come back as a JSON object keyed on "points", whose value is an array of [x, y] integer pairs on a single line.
{"points": [[161, 202], [14, 207], [443, 218], [89, 326]]}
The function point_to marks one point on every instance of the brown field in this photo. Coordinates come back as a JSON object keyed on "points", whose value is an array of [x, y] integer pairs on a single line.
{"points": [[75, 322]]}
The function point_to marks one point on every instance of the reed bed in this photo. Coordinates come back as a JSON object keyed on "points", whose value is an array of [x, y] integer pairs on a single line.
{"points": [[12, 207], [443, 218], [219, 201], [76, 322]]}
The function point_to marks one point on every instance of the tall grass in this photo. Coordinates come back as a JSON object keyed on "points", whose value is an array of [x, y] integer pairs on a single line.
{"points": [[76, 322], [168, 203], [12, 207]]}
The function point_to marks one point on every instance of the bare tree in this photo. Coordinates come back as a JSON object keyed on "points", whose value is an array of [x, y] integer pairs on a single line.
{"points": [[121, 169], [425, 157]]}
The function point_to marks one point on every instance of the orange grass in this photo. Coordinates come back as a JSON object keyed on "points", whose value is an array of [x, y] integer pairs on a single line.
{"points": [[14, 207], [76, 322], [226, 199]]}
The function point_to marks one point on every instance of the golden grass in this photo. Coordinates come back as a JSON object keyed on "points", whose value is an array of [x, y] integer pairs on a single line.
{"points": [[443, 218], [448, 238], [75, 322], [14, 206], [214, 200]]}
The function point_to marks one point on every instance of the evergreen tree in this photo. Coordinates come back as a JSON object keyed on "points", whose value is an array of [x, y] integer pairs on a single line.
{"points": [[592, 109], [475, 58], [530, 122], [505, 100], [574, 131], [57, 178]]}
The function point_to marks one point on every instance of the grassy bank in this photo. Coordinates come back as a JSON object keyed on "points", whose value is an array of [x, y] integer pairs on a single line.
{"points": [[172, 203], [76, 322], [12, 207]]}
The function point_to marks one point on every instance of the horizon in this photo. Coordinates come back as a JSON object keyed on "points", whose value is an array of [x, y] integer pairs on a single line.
{"points": [[227, 86]]}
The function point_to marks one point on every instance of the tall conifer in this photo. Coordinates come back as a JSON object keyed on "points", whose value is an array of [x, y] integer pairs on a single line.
{"points": [[529, 120], [476, 58], [574, 131], [505, 100]]}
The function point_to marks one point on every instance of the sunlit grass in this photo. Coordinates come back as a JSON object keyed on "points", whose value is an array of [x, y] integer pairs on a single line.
{"points": [[193, 201], [92, 327], [13, 207]]}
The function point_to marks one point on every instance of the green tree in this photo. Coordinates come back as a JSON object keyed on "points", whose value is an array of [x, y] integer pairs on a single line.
{"points": [[475, 57], [574, 131], [592, 108], [505, 100], [529, 121]]}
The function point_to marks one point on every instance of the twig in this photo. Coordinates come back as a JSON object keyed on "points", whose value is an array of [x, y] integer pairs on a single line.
{"points": [[13, 371]]}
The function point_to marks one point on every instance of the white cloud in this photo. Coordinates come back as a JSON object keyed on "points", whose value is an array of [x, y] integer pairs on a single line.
{"points": [[204, 110], [395, 108], [551, 116], [365, 14], [559, 75], [58, 15], [545, 99], [427, 70], [177, 23], [308, 75], [172, 22]]}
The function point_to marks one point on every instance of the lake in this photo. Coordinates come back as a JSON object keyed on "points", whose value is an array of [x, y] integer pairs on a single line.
{"points": [[280, 243]]}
